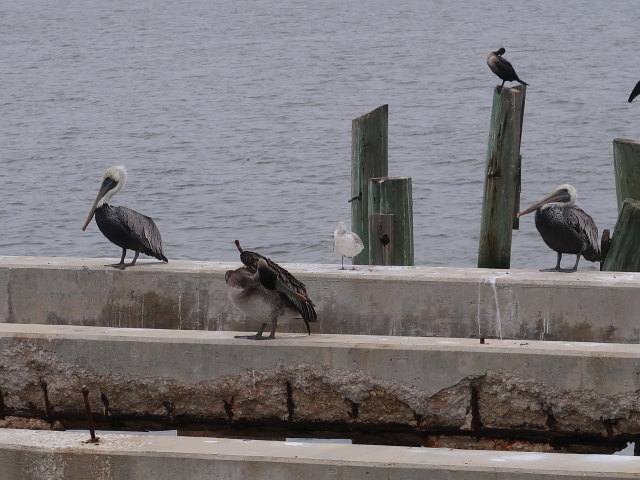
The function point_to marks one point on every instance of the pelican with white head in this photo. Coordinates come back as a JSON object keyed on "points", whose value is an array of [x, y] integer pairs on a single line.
{"points": [[565, 227], [124, 227]]}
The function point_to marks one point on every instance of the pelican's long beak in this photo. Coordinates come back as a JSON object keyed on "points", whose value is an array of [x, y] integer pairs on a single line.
{"points": [[555, 196], [103, 191]]}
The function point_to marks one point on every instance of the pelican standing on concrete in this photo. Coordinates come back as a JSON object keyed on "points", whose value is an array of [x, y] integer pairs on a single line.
{"points": [[263, 289], [502, 67], [635, 92], [126, 228], [566, 228], [346, 243]]}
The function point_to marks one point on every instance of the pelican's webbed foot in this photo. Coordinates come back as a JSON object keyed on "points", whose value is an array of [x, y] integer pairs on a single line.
{"points": [[257, 336], [563, 270], [557, 269], [121, 265]]}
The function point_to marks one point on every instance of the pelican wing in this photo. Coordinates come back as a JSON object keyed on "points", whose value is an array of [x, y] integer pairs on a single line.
{"points": [[285, 284], [250, 259], [583, 224], [301, 303], [144, 229]]}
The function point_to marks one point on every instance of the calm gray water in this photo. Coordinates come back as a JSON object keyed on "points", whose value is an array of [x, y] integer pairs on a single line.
{"points": [[234, 117]]}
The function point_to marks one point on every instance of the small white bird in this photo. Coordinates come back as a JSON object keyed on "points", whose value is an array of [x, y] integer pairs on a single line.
{"points": [[346, 243]]}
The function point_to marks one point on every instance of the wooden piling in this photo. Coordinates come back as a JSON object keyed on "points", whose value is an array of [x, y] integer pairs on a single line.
{"points": [[392, 196], [502, 182], [369, 159], [381, 237], [626, 163], [624, 251], [605, 244]]}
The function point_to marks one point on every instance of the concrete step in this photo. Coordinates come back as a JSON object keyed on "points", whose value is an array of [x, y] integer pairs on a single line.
{"points": [[65, 455], [413, 301]]}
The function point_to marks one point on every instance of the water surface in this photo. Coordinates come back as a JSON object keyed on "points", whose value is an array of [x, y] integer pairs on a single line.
{"points": [[234, 118]]}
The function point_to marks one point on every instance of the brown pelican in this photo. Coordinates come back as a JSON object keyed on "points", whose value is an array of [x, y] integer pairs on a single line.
{"points": [[635, 92], [502, 67], [564, 227], [126, 228], [346, 243], [263, 289]]}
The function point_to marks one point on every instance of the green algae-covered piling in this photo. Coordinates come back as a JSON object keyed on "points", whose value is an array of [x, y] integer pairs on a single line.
{"points": [[502, 181], [624, 251], [391, 240], [369, 159], [626, 163]]}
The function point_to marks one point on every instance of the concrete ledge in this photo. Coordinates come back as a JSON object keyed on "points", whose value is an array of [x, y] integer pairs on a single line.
{"points": [[61, 455], [422, 384], [415, 301]]}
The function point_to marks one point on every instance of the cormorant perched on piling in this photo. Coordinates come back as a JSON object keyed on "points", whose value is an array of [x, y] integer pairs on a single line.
{"points": [[635, 92], [126, 228], [502, 67], [566, 228], [263, 289]]}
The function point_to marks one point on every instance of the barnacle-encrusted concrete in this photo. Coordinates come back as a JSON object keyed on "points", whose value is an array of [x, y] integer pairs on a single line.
{"points": [[26, 455], [418, 301], [424, 384]]}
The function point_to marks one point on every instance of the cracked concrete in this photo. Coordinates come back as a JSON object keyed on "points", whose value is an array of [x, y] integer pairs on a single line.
{"points": [[348, 380]]}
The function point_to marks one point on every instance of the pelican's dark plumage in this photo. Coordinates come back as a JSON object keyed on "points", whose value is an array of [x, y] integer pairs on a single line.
{"points": [[124, 227], [263, 289], [566, 228], [502, 67], [635, 92]]}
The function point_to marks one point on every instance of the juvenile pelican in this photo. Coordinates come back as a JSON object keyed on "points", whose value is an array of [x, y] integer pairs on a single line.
{"points": [[263, 289], [346, 243], [126, 228], [502, 67], [566, 228], [635, 92]]}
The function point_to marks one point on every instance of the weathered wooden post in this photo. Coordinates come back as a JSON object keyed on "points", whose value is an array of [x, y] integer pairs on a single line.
{"points": [[391, 240], [624, 251], [381, 238], [502, 183], [369, 159], [626, 164], [619, 252]]}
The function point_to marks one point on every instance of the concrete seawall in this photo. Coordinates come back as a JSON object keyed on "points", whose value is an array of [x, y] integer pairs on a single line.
{"points": [[424, 385], [411, 301]]}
